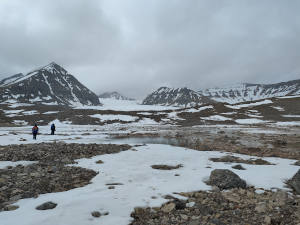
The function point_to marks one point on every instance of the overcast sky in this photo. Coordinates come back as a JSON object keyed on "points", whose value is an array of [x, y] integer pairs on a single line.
{"points": [[136, 46]]}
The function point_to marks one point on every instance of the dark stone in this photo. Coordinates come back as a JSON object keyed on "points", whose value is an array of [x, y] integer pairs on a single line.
{"points": [[46, 206], [297, 163], [96, 214], [225, 179], [238, 167], [294, 183], [179, 205]]}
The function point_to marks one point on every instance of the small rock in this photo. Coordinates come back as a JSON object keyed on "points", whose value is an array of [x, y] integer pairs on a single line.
{"points": [[138, 210], [261, 207], [111, 187], [179, 205], [168, 207], [184, 217], [267, 220], [238, 167], [11, 207], [99, 162], [96, 214], [105, 213], [46, 206], [166, 167]]}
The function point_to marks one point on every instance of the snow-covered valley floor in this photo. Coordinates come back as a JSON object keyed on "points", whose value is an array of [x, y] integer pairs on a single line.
{"points": [[140, 185]]}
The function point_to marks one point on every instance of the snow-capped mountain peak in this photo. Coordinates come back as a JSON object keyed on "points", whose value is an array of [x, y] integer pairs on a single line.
{"points": [[175, 96], [50, 84], [115, 95], [54, 68]]}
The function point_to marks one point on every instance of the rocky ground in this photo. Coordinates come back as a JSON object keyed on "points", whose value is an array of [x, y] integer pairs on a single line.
{"points": [[230, 202], [49, 171], [237, 206]]}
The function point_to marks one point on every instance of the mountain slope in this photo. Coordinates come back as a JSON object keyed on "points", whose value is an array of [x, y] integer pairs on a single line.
{"points": [[177, 97], [51, 84], [115, 95], [8, 80], [251, 92]]}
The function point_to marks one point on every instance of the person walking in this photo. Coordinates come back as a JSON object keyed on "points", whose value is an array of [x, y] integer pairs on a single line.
{"points": [[52, 129], [35, 131]]}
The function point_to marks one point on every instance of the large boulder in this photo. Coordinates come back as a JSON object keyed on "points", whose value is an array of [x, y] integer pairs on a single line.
{"points": [[225, 179], [294, 183]]}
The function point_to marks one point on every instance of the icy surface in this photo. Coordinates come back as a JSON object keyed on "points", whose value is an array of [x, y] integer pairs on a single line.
{"points": [[140, 184]]}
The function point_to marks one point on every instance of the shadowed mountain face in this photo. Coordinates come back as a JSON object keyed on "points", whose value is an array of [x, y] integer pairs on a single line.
{"points": [[51, 84], [114, 95], [178, 97], [251, 92]]}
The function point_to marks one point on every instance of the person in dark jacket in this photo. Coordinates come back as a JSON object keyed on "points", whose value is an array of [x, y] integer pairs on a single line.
{"points": [[35, 131], [52, 129]]}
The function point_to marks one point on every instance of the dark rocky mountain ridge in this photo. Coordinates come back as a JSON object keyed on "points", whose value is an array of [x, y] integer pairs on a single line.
{"points": [[233, 94], [51, 84], [176, 96]]}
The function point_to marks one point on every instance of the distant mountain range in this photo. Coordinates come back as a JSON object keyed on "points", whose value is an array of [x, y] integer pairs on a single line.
{"points": [[176, 96], [251, 92], [235, 94], [50, 84], [115, 95], [53, 85]]}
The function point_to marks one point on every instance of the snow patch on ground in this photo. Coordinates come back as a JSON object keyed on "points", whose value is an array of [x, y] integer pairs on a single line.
{"points": [[280, 109], [33, 112], [291, 123], [193, 110], [249, 121], [51, 112], [265, 102], [216, 118], [291, 116]]}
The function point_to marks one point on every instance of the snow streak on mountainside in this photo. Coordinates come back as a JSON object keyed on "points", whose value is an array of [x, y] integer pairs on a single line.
{"points": [[51, 84], [176, 97], [115, 95], [251, 92]]}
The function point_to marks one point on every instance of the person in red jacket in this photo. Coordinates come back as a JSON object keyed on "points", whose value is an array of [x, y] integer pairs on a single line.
{"points": [[35, 131]]}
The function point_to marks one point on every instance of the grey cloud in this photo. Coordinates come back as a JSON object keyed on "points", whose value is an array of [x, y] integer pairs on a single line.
{"points": [[136, 46]]}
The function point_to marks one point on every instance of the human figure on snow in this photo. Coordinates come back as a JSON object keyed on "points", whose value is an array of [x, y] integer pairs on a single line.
{"points": [[52, 129], [35, 131]]}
